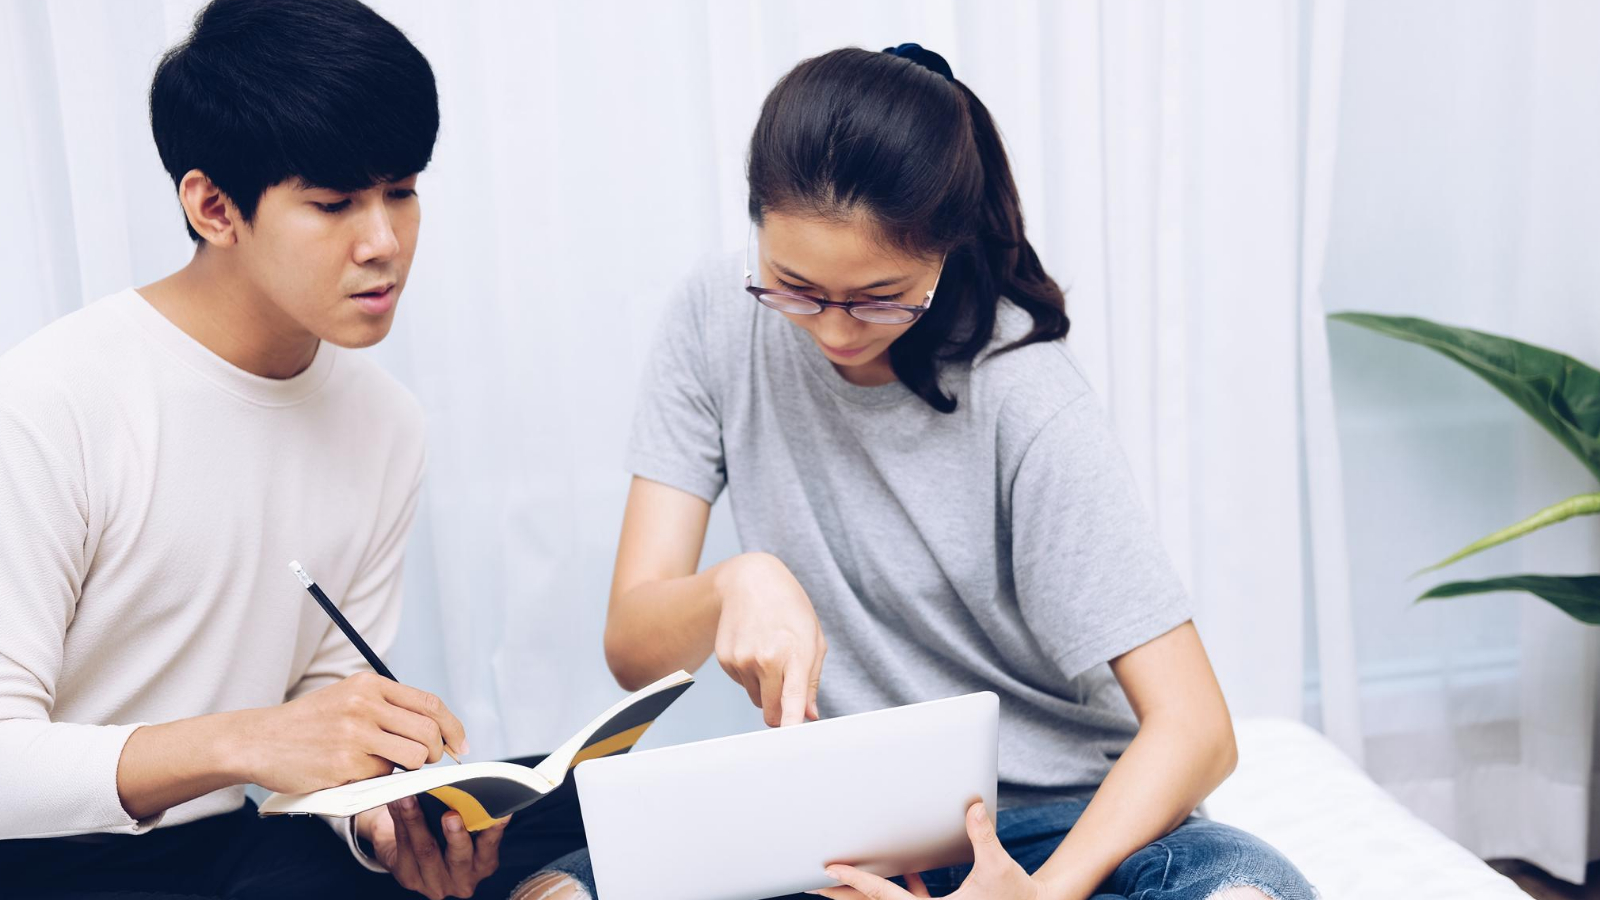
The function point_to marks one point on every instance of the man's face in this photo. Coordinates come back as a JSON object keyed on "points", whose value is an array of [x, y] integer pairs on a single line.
{"points": [[334, 263]]}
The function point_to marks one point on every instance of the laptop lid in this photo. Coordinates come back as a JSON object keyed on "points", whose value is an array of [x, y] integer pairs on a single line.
{"points": [[761, 814]]}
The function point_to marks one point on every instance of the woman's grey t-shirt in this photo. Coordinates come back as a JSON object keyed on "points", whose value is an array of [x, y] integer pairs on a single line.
{"points": [[1002, 547]]}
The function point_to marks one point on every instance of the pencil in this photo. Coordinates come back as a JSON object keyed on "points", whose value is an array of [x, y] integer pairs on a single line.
{"points": [[348, 629]]}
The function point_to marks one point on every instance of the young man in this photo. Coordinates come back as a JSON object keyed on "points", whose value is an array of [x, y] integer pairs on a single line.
{"points": [[166, 451]]}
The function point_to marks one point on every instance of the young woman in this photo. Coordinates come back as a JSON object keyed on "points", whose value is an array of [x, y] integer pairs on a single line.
{"points": [[929, 499]]}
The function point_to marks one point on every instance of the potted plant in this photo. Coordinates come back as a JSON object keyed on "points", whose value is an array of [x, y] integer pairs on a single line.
{"points": [[1561, 394]]}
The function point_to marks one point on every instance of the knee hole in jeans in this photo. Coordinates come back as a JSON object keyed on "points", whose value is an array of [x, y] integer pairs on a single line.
{"points": [[1240, 892], [550, 886]]}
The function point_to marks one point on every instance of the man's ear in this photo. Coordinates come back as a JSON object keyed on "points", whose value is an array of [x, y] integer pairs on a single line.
{"points": [[211, 214]]}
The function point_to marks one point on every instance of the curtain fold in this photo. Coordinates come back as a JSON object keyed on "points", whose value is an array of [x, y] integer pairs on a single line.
{"points": [[1336, 707], [1467, 191]]}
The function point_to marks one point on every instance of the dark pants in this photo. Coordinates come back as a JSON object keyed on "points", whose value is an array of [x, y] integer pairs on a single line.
{"points": [[238, 855]]}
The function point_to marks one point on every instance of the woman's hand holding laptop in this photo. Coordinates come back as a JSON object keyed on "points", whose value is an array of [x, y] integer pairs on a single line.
{"points": [[995, 875], [768, 637]]}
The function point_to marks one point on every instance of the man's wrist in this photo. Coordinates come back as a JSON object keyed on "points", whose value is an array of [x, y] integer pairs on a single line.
{"points": [[360, 834], [164, 765], [233, 751], [361, 828]]}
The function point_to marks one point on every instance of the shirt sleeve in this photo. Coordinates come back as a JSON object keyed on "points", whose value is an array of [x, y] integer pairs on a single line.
{"points": [[345, 828], [677, 426], [56, 778], [1092, 578]]}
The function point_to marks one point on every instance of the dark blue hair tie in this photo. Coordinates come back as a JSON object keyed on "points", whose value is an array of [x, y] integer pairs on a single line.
{"points": [[923, 57]]}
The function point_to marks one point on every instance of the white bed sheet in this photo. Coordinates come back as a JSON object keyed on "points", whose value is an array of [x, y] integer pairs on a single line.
{"points": [[1297, 791]]}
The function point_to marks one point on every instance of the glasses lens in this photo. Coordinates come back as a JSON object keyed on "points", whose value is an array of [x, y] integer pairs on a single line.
{"points": [[882, 315], [788, 304]]}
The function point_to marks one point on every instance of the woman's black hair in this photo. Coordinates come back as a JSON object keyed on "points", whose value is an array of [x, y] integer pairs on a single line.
{"points": [[262, 91], [896, 137]]}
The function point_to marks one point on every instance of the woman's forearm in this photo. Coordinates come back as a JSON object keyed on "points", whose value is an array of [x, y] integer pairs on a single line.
{"points": [[659, 626], [1172, 764]]}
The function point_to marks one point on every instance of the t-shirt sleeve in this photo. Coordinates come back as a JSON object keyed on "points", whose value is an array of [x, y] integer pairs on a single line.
{"points": [[1092, 578], [56, 778], [677, 426]]}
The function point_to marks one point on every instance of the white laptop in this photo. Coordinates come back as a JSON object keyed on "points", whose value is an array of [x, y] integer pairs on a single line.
{"points": [[760, 815]]}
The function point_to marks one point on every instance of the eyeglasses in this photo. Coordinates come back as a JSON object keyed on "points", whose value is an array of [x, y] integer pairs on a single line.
{"points": [[877, 312]]}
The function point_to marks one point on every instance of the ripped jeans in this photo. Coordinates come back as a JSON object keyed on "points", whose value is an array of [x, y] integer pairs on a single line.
{"points": [[1193, 861], [1196, 860]]}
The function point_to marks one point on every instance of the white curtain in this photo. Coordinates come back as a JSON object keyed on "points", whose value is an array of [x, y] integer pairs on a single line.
{"points": [[1468, 192], [591, 152], [1181, 167]]}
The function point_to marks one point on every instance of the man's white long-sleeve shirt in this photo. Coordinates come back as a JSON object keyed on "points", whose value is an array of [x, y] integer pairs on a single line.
{"points": [[151, 498]]}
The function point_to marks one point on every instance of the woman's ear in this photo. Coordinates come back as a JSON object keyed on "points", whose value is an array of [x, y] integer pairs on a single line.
{"points": [[211, 214]]}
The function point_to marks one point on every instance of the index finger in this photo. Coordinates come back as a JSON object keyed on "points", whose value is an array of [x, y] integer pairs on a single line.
{"points": [[431, 870], [419, 701], [404, 868], [867, 883], [796, 691], [458, 855], [838, 893], [815, 680]]}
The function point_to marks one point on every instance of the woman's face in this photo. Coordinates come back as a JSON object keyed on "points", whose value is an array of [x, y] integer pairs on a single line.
{"points": [[840, 262]]}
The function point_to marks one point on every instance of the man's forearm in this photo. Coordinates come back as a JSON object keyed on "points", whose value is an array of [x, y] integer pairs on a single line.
{"points": [[1170, 767], [165, 765]]}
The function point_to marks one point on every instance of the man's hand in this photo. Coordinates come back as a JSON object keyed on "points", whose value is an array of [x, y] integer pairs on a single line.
{"points": [[402, 843], [359, 728]]}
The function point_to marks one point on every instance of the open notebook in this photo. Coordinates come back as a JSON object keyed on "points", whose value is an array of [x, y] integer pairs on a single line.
{"points": [[485, 792]]}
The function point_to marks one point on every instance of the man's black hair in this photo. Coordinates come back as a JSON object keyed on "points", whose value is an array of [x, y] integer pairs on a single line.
{"points": [[264, 91]]}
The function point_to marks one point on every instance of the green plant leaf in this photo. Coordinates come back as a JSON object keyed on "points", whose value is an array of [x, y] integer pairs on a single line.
{"points": [[1559, 392], [1576, 595], [1581, 505]]}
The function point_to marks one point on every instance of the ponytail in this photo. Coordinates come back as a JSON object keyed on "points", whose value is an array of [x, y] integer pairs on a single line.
{"points": [[1011, 263]]}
